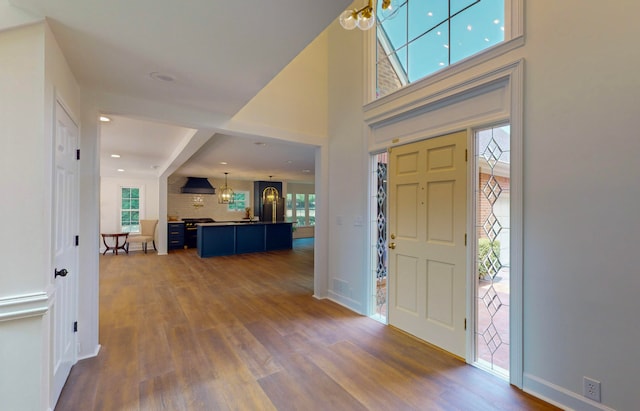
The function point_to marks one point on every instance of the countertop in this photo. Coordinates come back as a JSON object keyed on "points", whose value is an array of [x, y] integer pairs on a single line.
{"points": [[227, 223]]}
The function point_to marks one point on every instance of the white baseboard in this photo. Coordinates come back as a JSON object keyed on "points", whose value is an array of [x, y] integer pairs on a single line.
{"points": [[559, 396], [92, 354], [346, 302]]}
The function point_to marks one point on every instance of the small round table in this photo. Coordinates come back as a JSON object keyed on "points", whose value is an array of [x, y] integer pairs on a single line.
{"points": [[117, 246]]}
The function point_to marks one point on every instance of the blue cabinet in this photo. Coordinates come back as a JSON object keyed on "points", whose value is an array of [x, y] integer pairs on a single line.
{"points": [[278, 236], [250, 238], [217, 239], [175, 235]]}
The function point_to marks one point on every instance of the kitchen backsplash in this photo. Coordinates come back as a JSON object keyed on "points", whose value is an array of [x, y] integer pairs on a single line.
{"points": [[182, 205]]}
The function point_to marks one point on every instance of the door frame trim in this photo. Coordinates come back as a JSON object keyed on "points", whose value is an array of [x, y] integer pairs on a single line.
{"points": [[60, 104], [468, 101]]}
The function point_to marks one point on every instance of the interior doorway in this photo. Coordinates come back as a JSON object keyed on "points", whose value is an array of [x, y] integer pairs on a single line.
{"points": [[64, 308]]}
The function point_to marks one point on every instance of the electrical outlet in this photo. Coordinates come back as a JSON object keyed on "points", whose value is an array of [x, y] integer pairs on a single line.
{"points": [[591, 388]]}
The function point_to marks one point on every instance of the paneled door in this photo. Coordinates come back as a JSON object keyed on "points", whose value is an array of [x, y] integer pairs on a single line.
{"points": [[427, 251], [65, 255]]}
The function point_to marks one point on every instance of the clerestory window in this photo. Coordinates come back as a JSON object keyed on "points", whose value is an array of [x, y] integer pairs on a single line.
{"points": [[422, 37]]}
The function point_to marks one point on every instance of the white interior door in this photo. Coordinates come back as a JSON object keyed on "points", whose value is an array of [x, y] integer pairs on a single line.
{"points": [[427, 225], [65, 228]]}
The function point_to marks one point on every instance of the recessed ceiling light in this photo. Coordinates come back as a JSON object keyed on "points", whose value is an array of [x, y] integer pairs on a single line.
{"points": [[115, 155], [224, 163], [121, 170], [162, 76], [289, 161], [105, 119], [306, 171]]}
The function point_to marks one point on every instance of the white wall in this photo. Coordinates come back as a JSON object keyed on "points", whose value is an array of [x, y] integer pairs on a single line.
{"points": [[22, 337], [88, 310], [295, 100], [299, 188], [33, 74], [582, 95], [580, 196], [347, 279]]}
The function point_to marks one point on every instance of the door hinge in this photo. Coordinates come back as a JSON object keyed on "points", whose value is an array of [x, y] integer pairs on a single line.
{"points": [[465, 238], [465, 323], [466, 154], [75, 326], [78, 154], [77, 240]]}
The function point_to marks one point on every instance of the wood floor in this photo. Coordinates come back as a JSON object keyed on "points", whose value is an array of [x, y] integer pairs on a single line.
{"points": [[244, 333]]}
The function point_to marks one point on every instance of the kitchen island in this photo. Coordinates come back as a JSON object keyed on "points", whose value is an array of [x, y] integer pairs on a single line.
{"points": [[227, 238]]}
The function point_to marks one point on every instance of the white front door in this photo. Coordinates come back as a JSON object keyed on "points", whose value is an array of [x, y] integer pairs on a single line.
{"points": [[65, 255], [427, 225]]}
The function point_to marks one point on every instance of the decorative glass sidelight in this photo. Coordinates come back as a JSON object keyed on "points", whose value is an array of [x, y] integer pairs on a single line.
{"points": [[492, 236], [379, 240]]}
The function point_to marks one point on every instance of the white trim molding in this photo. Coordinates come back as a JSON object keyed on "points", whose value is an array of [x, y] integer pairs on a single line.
{"points": [[559, 396], [23, 306]]}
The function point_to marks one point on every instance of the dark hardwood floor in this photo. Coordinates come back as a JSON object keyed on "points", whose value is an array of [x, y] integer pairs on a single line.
{"points": [[244, 333]]}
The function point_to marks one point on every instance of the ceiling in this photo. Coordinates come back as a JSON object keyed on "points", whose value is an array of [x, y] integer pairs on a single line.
{"points": [[204, 56], [144, 147]]}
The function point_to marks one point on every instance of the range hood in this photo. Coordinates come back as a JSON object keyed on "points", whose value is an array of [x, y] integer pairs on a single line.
{"points": [[197, 185]]}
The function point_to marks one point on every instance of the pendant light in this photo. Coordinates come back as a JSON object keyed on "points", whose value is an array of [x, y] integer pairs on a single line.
{"points": [[225, 194], [365, 18]]}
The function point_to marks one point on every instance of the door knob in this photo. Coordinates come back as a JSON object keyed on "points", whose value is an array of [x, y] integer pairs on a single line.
{"points": [[392, 246], [61, 273]]}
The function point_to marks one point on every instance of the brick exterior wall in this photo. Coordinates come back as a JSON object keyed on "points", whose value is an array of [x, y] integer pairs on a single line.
{"points": [[387, 79]]}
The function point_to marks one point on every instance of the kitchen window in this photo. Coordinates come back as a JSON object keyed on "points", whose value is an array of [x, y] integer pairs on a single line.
{"points": [[301, 209], [130, 205], [240, 202]]}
